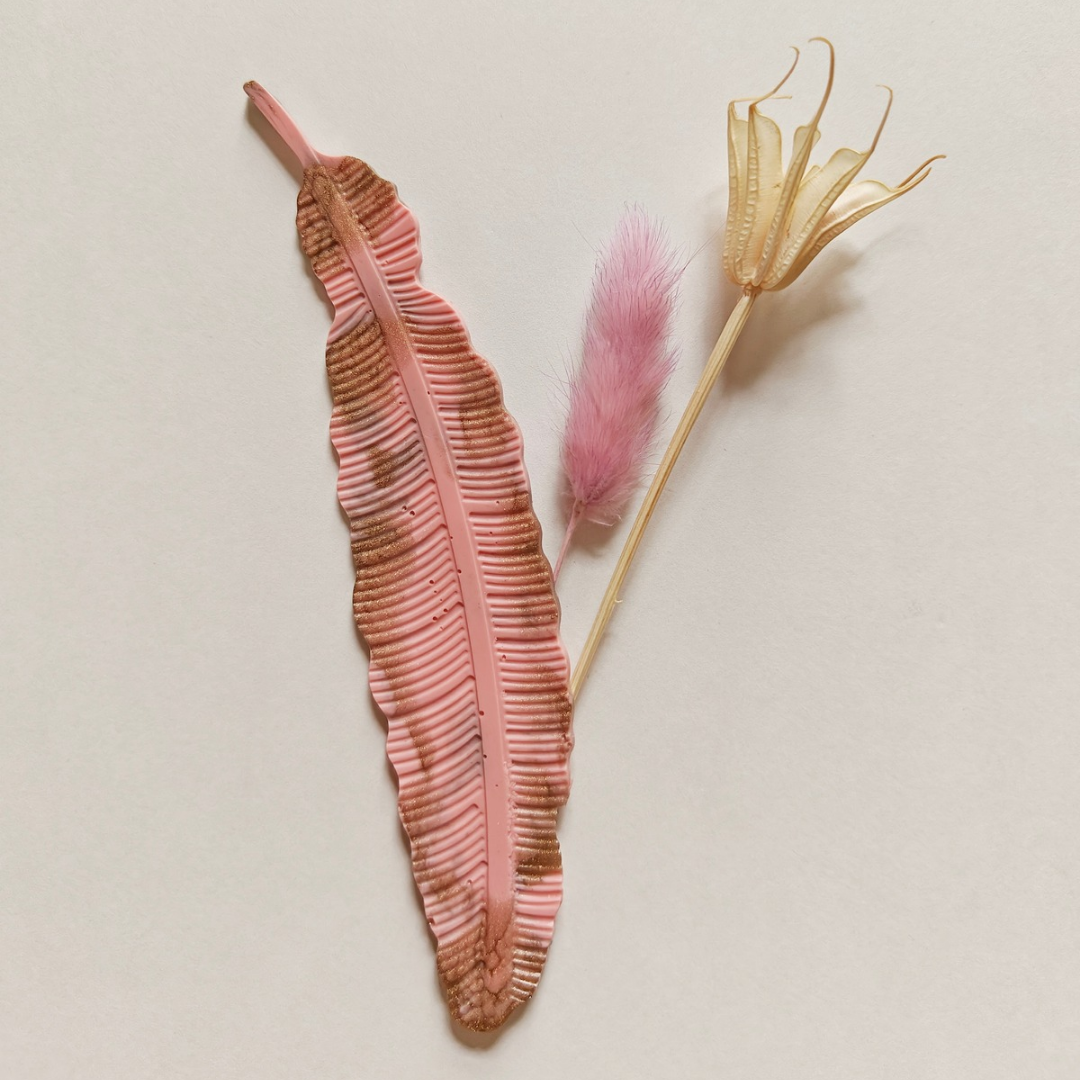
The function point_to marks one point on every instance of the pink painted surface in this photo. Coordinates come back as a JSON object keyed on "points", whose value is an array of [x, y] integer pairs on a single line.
{"points": [[453, 593]]}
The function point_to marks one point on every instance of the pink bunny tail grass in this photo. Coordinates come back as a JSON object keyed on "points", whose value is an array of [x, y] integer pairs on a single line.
{"points": [[626, 361]]}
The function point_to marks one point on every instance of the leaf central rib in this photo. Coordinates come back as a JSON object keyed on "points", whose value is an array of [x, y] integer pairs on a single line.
{"points": [[493, 756]]}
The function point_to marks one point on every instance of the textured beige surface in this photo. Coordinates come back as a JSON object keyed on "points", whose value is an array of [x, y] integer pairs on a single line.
{"points": [[825, 806]]}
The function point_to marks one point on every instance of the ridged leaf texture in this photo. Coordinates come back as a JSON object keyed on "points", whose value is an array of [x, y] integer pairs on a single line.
{"points": [[453, 594]]}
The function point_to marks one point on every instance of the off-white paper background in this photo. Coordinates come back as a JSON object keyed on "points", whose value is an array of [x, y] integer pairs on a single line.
{"points": [[826, 800]]}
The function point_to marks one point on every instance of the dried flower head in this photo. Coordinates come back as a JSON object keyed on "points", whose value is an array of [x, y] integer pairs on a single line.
{"points": [[778, 219]]}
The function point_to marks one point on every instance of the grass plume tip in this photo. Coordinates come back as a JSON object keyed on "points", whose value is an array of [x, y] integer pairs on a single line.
{"points": [[627, 358]]}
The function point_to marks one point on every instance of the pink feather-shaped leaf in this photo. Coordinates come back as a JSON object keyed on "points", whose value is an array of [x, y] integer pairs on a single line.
{"points": [[626, 362], [453, 593]]}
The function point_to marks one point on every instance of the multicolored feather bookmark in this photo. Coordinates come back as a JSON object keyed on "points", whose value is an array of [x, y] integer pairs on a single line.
{"points": [[453, 593]]}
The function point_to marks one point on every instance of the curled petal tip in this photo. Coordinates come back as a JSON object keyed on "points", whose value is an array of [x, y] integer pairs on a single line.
{"points": [[921, 173], [832, 72], [828, 81], [884, 117], [775, 90]]}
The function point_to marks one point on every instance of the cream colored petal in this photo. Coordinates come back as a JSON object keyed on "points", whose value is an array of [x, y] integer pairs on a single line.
{"points": [[805, 138], [801, 135], [765, 179], [750, 157], [738, 153], [819, 191], [853, 206]]}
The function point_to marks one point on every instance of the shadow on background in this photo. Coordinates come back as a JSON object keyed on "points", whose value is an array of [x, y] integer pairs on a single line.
{"points": [[780, 319]]}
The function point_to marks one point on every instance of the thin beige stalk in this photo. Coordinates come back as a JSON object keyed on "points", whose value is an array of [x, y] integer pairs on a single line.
{"points": [[721, 351]]}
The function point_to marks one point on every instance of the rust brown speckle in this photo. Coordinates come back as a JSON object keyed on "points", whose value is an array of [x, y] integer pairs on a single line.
{"points": [[377, 540], [383, 468], [336, 210], [480, 410]]}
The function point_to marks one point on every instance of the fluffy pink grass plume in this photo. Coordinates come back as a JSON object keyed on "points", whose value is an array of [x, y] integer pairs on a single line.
{"points": [[614, 400]]}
